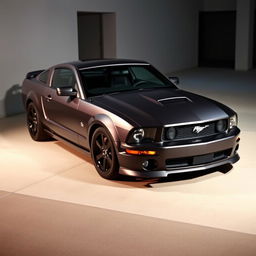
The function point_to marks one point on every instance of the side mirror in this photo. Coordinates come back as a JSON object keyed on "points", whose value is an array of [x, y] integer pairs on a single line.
{"points": [[66, 91], [174, 79]]}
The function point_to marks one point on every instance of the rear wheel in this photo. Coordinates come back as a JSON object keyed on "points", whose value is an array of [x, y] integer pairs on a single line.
{"points": [[104, 155], [34, 124]]}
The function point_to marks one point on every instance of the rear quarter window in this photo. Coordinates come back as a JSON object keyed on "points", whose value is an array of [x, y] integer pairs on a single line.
{"points": [[43, 77]]}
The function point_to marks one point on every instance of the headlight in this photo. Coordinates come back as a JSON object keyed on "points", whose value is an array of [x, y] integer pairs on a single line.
{"points": [[138, 135], [141, 134], [171, 133], [232, 121], [221, 125]]}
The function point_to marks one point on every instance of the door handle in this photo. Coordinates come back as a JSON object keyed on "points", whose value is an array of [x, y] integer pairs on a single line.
{"points": [[48, 98]]}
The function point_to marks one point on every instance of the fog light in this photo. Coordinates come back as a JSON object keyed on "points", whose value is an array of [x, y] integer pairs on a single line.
{"points": [[171, 133], [221, 125], [145, 164], [149, 164]]}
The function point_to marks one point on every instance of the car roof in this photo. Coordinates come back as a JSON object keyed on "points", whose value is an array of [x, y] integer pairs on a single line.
{"points": [[101, 62]]}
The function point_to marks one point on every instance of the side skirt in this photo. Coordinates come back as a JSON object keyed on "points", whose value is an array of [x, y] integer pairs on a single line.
{"points": [[69, 143]]}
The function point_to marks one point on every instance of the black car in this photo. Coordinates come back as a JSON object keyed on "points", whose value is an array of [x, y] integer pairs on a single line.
{"points": [[130, 117]]}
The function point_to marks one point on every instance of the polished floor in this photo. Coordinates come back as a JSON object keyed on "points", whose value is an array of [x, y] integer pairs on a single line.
{"points": [[40, 227], [54, 192]]}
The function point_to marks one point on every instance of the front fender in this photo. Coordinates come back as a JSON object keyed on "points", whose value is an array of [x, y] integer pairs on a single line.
{"points": [[106, 122]]}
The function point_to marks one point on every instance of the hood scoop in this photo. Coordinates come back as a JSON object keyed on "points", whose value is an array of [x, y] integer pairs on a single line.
{"points": [[176, 100]]}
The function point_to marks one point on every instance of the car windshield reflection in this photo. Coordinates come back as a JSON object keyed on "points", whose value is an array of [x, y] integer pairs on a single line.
{"points": [[108, 80]]}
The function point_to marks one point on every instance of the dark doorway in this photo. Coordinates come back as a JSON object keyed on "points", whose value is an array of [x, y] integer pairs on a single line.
{"points": [[254, 40], [89, 36], [217, 36], [96, 35]]}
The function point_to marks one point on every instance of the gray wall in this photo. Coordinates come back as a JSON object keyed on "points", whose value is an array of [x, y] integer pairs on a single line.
{"points": [[41, 33], [219, 5]]}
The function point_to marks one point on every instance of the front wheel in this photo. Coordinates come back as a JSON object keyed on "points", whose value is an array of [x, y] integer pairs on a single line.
{"points": [[104, 155]]}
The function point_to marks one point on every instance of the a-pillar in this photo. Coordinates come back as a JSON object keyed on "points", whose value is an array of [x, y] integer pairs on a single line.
{"points": [[244, 34]]}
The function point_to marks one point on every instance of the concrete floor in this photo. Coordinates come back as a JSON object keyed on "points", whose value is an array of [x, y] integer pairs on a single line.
{"points": [[218, 199]]}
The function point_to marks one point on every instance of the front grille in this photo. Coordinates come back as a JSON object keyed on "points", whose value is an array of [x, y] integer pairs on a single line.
{"points": [[197, 160], [195, 131], [186, 132]]}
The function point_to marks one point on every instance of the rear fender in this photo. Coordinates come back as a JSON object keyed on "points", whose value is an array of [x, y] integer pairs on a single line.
{"points": [[31, 96]]}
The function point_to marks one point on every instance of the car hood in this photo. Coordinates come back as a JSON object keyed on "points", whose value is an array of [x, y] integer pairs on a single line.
{"points": [[163, 106]]}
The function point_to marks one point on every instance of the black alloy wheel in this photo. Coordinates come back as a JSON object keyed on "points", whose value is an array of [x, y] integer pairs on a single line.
{"points": [[32, 120], [104, 155], [34, 124]]}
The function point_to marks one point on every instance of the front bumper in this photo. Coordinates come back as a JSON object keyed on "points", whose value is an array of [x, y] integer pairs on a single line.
{"points": [[132, 165]]}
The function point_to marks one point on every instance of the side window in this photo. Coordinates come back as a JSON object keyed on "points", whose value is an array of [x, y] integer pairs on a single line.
{"points": [[63, 77], [43, 77]]}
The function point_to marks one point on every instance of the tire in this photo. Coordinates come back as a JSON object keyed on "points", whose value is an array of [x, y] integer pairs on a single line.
{"points": [[34, 124], [104, 154]]}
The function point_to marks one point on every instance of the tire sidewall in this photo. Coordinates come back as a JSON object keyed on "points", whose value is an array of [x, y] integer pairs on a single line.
{"points": [[39, 135], [113, 173]]}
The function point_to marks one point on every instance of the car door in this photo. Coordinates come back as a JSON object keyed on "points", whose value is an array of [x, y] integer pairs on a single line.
{"points": [[61, 111]]}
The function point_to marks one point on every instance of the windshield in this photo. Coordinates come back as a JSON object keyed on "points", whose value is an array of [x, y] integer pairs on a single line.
{"points": [[112, 79]]}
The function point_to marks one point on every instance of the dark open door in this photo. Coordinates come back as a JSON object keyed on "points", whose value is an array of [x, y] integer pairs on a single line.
{"points": [[217, 36], [254, 41]]}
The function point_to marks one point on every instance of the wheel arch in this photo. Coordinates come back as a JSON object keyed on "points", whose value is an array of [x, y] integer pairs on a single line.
{"points": [[31, 97], [105, 122], [28, 101]]}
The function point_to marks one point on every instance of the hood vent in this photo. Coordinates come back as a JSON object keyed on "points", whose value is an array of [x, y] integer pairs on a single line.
{"points": [[174, 100]]}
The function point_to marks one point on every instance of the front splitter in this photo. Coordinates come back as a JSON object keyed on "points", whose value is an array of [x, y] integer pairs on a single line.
{"points": [[165, 173]]}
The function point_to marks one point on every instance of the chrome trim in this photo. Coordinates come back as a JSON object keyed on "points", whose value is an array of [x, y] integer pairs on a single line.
{"points": [[203, 143], [42, 104], [194, 122], [50, 78], [117, 64], [172, 98], [198, 128], [80, 88], [156, 147]]}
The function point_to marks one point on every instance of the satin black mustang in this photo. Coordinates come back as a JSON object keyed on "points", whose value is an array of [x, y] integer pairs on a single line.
{"points": [[131, 118]]}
